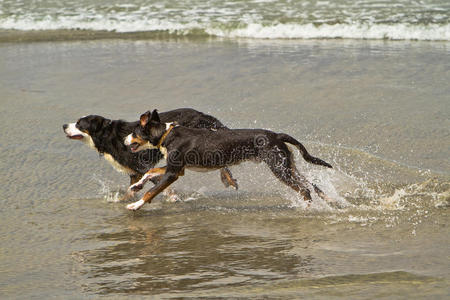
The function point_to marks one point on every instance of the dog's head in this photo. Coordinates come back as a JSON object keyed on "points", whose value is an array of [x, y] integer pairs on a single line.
{"points": [[147, 134], [86, 128]]}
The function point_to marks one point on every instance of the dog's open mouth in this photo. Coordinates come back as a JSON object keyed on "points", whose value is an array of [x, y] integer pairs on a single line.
{"points": [[75, 137], [134, 147]]}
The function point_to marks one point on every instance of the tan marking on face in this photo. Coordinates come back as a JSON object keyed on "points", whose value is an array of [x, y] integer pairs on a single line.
{"points": [[138, 140]]}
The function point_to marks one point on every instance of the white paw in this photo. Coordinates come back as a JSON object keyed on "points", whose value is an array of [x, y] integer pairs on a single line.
{"points": [[145, 178], [136, 205], [140, 184], [136, 187]]}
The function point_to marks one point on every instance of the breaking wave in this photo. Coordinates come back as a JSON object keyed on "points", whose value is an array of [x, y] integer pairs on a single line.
{"points": [[161, 28]]}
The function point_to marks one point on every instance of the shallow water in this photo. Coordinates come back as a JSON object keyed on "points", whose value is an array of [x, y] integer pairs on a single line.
{"points": [[301, 19], [377, 111]]}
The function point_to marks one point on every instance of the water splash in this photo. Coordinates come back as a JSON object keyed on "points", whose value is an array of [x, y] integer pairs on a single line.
{"points": [[108, 190], [200, 193]]}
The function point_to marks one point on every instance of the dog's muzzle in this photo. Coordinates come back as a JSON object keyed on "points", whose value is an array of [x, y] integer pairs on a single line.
{"points": [[68, 130], [129, 142], [134, 147]]}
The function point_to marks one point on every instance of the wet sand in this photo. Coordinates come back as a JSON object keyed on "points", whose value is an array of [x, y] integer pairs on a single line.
{"points": [[378, 111]]}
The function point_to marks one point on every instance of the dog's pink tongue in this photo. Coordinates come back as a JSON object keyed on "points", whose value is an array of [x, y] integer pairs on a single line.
{"points": [[134, 147]]}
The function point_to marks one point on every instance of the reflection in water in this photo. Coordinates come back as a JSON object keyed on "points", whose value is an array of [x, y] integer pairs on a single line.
{"points": [[218, 242], [158, 253]]}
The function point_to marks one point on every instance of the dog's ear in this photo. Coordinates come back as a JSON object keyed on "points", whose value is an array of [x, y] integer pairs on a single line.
{"points": [[106, 122], [94, 123], [145, 118], [155, 117]]}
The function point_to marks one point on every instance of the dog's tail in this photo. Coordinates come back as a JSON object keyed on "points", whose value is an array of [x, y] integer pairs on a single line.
{"points": [[314, 160]]}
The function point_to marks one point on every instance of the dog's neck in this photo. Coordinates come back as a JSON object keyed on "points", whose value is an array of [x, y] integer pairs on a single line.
{"points": [[169, 127]]}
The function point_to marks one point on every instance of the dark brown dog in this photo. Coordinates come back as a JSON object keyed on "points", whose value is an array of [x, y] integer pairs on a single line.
{"points": [[204, 150]]}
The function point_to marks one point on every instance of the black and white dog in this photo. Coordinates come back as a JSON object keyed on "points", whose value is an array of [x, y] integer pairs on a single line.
{"points": [[107, 137], [204, 150]]}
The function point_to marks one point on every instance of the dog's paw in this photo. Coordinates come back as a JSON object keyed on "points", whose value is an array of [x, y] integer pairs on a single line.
{"points": [[234, 184], [136, 187], [136, 205]]}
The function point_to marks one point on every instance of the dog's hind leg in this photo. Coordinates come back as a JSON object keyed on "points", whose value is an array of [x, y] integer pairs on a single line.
{"points": [[318, 191], [287, 177], [280, 162], [227, 178], [322, 194], [282, 169]]}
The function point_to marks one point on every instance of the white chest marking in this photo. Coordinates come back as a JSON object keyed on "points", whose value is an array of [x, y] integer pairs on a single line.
{"points": [[163, 151], [150, 146], [118, 166], [89, 141]]}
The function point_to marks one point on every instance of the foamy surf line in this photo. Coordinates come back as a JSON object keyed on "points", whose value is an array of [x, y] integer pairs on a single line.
{"points": [[167, 29], [342, 31]]}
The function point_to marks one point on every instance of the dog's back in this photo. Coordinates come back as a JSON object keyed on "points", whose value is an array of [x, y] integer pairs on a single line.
{"points": [[191, 118]]}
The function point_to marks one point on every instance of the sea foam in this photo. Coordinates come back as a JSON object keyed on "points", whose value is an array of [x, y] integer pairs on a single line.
{"points": [[128, 23], [432, 32]]}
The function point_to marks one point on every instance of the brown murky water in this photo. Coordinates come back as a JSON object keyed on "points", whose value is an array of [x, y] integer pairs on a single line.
{"points": [[378, 111]]}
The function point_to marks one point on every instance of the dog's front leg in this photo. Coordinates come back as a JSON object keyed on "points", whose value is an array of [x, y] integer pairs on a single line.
{"points": [[167, 179], [135, 178], [151, 174]]}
